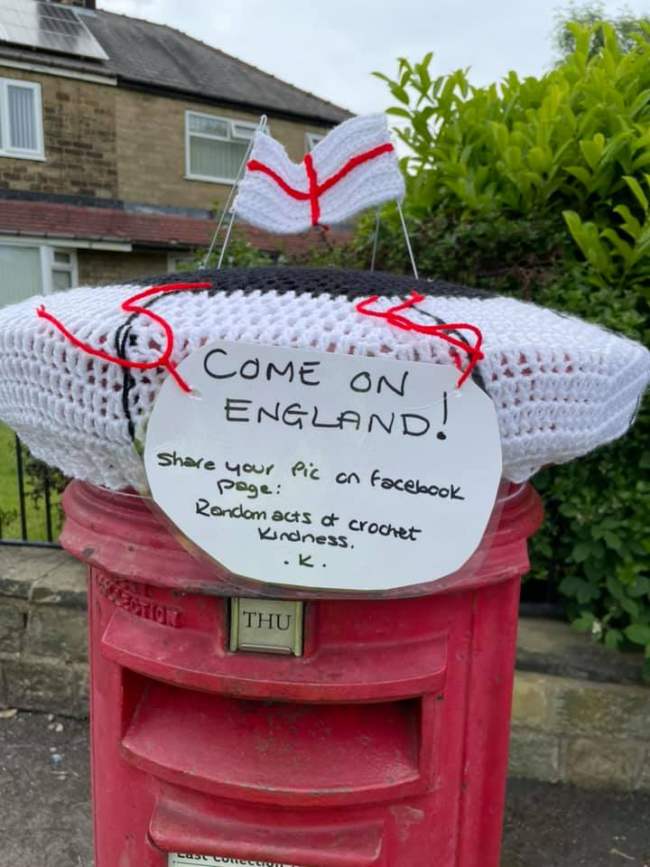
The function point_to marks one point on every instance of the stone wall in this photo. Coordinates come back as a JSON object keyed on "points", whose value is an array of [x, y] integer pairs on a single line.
{"points": [[590, 734], [580, 712], [43, 655], [570, 723], [151, 149], [100, 266], [109, 142]]}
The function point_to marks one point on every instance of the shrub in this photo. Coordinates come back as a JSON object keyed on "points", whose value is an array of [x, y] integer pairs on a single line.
{"points": [[539, 188]]}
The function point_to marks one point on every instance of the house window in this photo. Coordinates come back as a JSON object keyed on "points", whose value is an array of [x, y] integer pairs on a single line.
{"points": [[215, 147], [20, 273], [312, 139], [27, 270], [21, 120], [61, 268]]}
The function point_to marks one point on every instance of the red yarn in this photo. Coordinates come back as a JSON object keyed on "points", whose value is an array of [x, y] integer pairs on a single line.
{"points": [[316, 190], [312, 179], [131, 306], [438, 330], [257, 166], [353, 163]]}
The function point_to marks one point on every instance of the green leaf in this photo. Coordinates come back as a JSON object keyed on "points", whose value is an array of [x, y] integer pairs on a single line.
{"points": [[638, 633], [577, 587], [622, 247], [630, 607], [581, 551], [399, 93], [582, 174], [539, 159], [592, 150], [640, 196], [630, 223], [613, 541], [613, 638], [585, 622], [399, 112]]}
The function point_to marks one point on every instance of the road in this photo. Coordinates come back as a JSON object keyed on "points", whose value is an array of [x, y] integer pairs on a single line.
{"points": [[45, 813]]}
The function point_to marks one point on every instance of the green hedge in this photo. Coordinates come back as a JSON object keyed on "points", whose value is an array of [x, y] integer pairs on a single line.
{"points": [[539, 188]]}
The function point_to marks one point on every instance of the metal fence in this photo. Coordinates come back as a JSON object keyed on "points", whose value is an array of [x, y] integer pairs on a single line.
{"points": [[30, 512]]}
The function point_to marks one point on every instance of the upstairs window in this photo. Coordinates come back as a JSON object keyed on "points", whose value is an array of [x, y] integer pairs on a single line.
{"points": [[215, 146], [21, 124]]}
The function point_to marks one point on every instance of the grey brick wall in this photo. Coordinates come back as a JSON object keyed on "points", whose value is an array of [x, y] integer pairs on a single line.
{"points": [[43, 657], [580, 713]]}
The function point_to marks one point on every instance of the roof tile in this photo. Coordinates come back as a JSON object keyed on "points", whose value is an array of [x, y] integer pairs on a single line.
{"points": [[155, 55]]}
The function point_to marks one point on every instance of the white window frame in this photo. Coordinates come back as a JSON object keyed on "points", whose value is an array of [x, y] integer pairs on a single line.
{"points": [[232, 124], [312, 139], [21, 153], [49, 265], [46, 254]]}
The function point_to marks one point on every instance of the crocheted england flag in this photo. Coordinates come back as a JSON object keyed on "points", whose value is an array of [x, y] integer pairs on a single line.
{"points": [[354, 167]]}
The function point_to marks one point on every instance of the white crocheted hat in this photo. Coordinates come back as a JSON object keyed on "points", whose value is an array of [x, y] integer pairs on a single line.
{"points": [[561, 386]]}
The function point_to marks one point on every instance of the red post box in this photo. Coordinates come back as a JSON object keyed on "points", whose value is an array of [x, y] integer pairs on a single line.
{"points": [[235, 724]]}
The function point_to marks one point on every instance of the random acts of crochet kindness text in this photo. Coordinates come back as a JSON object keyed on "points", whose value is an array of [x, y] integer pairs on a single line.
{"points": [[322, 470]]}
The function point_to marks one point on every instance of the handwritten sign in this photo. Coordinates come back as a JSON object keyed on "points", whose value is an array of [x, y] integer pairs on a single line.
{"points": [[322, 470]]}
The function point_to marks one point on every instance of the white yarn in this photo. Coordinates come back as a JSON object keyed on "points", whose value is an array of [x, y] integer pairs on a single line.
{"points": [[561, 387], [262, 202]]}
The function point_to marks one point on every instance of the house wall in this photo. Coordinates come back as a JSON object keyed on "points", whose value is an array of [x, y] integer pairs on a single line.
{"points": [[99, 266], [79, 137], [109, 142], [151, 149]]}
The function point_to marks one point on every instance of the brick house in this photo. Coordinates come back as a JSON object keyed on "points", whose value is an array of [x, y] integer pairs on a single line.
{"points": [[119, 139]]}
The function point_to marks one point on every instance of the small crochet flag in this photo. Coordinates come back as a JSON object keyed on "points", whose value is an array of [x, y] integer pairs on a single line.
{"points": [[354, 167]]}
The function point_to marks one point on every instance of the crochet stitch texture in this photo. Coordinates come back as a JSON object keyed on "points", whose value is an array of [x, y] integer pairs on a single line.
{"points": [[561, 386], [262, 201]]}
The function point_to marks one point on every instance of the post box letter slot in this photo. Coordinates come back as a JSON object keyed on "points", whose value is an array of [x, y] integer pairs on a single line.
{"points": [[339, 753]]}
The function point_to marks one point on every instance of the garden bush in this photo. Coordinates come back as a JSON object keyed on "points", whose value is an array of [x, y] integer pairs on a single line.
{"points": [[540, 188]]}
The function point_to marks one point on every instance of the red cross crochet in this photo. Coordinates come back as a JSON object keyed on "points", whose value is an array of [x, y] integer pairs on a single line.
{"points": [[315, 189], [131, 306], [473, 351]]}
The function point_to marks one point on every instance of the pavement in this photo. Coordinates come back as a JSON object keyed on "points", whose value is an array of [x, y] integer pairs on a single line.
{"points": [[45, 812]]}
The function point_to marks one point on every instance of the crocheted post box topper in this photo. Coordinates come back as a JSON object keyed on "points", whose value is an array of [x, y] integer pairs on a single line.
{"points": [[80, 370]]}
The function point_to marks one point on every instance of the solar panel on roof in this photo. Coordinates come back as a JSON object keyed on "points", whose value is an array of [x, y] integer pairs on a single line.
{"points": [[49, 27]]}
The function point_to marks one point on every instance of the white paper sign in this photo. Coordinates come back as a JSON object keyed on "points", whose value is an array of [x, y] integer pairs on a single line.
{"points": [[322, 470]]}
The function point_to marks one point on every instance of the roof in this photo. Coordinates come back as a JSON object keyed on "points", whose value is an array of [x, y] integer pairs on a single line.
{"points": [[73, 222], [156, 56]]}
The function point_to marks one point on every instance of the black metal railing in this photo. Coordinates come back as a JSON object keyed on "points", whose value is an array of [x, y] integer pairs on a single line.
{"points": [[30, 513]]}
